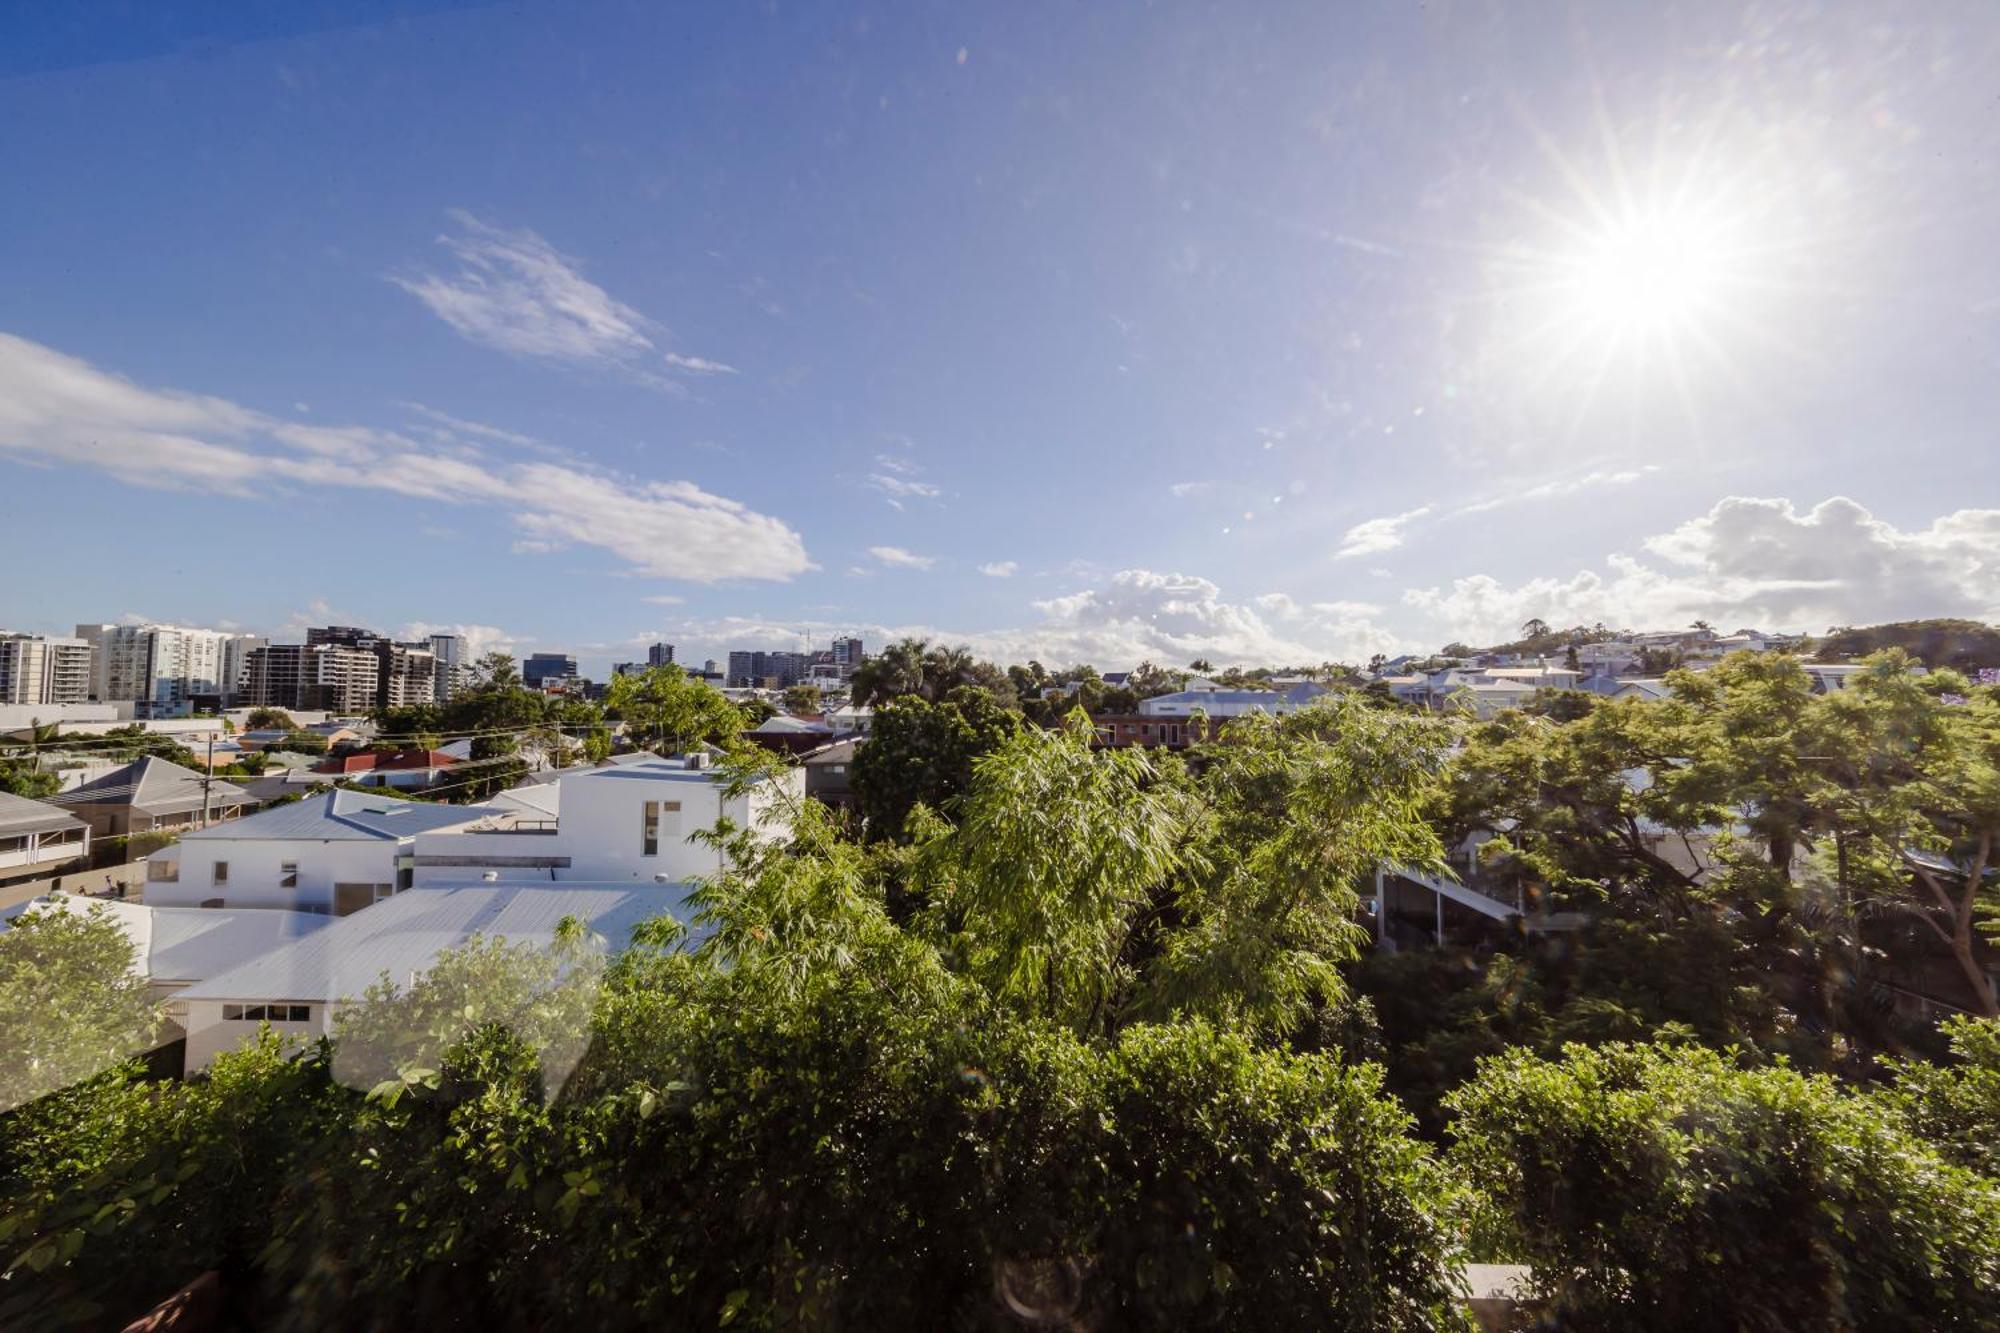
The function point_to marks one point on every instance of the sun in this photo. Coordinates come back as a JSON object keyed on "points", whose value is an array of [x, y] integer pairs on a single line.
{"points": [[1649, 276]]}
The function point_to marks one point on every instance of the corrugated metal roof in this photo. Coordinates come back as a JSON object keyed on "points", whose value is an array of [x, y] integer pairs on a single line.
{"points": [[194, 943], [153, 786], [18, 814], [400, 936], [344, 816]]}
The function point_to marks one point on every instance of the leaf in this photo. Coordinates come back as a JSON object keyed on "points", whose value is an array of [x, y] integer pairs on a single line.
{"points": [[732, 1305]]}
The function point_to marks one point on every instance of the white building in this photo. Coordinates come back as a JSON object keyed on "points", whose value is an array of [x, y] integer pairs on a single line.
{"points": [[620, 824], [333, 852], [161, 667], [299, 987], [1215, 702], [36, 669]]}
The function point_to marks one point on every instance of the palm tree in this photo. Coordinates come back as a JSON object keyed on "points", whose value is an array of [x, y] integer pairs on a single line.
{"points": [[898, 671], [945, 668]]}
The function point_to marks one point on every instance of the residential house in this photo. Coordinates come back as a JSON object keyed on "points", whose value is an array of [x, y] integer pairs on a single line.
{"points": [[150, 795], [37, 838], [851, 720], [830, 774], [789, 735], [299, 987], [406, 770], [620, 824], [1147, 731], [335, 851]]}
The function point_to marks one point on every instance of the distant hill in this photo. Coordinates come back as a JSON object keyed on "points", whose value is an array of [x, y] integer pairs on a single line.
{"points": [[1962, 644]]}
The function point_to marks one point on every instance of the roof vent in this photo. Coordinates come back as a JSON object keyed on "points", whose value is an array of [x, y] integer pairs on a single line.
{"points": [[699, 759]]}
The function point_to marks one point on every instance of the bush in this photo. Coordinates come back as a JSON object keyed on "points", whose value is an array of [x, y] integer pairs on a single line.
{"points": [[1956, 1106], [1665, 1188]]}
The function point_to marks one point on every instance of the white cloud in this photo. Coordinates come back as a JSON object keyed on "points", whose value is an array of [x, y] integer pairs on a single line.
{"points": [[1753, 562], [1562, 486], [515, 292], [664, 599], [1378, 534], [897, 479], [698, 365], [1000, 569], [1182, 489], [1135, 616], [58, 409], [897, 558], [479, 639], [477, 429]]}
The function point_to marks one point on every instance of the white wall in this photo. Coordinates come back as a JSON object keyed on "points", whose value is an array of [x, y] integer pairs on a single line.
{"points": [[254, 871], [209, 1034]]}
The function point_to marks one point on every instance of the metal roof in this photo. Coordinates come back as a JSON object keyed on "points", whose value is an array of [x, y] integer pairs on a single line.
{"points": [[400, 936], [154, 786], [194, 943], [18, 814], [340, 815]]}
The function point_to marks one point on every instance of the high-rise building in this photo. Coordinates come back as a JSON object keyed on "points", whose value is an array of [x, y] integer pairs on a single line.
{"points": [[161, 668], [341, 669], [543, 667], [758, 669], [39, 669], [236, 652], [454, 666], [848, 654], [660, 654]]}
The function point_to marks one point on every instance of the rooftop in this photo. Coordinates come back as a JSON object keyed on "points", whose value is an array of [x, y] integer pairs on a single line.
{"points": [[400, 936], [18, 814], [344, 816], [154, 786]]}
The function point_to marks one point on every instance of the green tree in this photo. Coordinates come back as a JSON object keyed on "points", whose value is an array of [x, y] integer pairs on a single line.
{"points": [[802, 700], [71, 1002], [666, 710], [270, 719], [922, 752], [1665, 1188]]}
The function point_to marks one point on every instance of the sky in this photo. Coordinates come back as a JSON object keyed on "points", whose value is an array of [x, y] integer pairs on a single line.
{"points": [[1268, 334]]}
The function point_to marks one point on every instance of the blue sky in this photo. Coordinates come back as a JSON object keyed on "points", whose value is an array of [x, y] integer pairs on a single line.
{"points": [[1109, 332]]}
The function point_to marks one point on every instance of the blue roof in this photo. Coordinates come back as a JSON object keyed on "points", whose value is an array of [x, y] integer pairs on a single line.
{"points": [[345, 816]]}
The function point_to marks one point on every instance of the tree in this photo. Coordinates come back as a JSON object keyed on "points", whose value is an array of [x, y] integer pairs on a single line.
{"points": [[72, 1002], [1663, 1188], [270, 719], [1201, 666], [663, 708], [1536, 628], [803, 700], [898, 670], [922, 752]]}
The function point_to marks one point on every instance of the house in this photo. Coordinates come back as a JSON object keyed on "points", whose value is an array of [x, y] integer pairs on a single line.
{"points": [[621, 824], [333, 852], [300, 986], [150, 795], [406, 770], [830, 774], [1123, 730], [789, 735], [37, 838], [849, 720]]}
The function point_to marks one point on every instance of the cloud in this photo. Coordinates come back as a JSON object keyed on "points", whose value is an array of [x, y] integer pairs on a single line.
{"points": [[1136, 615], [1757, 562], [698, 365], [664, 599], [1564, 486], [1000, 569], [515, 292], [1180, 490], [1378, 534], [897, 558], [450, 424], [56, 408], [479, 639], [896, 478]]}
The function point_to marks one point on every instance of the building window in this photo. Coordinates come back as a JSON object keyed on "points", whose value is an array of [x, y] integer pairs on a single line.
{"points": [[267, 1013], [649, 830], [221, 874], [163, 872], [288, 874]]}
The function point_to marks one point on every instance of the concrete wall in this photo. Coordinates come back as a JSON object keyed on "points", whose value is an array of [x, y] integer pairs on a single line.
{"points": [[254, 868]]}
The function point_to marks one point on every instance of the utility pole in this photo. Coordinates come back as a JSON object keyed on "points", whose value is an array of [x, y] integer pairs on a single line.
{"points": [[207, 778]]}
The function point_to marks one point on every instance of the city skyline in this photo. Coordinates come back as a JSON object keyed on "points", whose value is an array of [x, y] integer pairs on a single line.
{"points": [[1113, 340]]}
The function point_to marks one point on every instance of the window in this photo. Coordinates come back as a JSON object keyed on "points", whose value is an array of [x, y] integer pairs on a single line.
{"points": [[163, 872], [267, 1013], [649, 830], [220, 876], [288, 874]]}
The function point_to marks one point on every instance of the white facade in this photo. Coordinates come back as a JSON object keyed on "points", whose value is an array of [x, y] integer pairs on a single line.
{"points": [[37, 670], [627, 824], [160, 667], [334, 852]]}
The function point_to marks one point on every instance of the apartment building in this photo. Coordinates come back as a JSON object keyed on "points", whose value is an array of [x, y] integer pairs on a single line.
{"points": [[39, 669]]}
